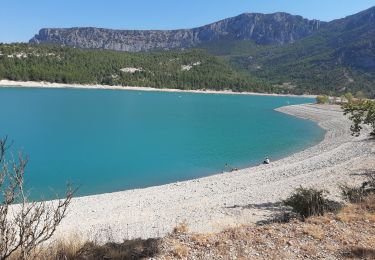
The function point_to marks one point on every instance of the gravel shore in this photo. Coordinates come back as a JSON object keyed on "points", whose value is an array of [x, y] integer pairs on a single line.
{"points": [[43, 84], [223, 200]]}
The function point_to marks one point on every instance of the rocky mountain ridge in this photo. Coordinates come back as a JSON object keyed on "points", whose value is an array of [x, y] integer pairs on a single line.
{"points": [[275, 29]]}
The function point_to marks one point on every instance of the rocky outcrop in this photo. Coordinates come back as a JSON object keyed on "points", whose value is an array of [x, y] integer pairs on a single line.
{"points": [[277, 29]]}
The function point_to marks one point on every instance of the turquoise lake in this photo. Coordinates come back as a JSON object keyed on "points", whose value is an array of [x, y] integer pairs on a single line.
{"points": [[111, 140]]}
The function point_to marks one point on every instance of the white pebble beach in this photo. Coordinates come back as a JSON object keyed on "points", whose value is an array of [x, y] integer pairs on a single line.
{"points": [[223, 200]]}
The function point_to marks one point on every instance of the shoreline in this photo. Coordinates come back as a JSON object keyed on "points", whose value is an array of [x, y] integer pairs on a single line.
{"points": [[43, 84], [224, 200]]}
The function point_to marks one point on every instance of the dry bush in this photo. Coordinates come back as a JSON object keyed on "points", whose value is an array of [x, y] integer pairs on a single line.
{"points": [[352, 194], [180, 250], [129, 249], [201, 239], [357, 194], [24, 224], [181, 228]]}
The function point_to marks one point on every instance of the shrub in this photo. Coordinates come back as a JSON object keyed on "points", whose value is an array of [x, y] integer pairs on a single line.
{"points": [[361, 113], [181, 228], [129, 249], [322, 99], [352, 194], [310, 202], [358, 194], [349, 97], [360, 95]]}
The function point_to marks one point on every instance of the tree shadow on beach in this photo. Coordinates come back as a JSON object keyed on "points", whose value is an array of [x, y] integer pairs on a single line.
{"points": [[365, 173], [278, 212], [263, 206], [359, 253]]}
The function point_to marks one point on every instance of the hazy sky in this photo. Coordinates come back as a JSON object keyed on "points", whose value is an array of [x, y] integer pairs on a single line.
{"points": [[21, 19]]}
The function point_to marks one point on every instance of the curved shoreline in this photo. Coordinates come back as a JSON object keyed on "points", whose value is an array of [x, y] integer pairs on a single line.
{"points": [[43, 84], [222, 200]]}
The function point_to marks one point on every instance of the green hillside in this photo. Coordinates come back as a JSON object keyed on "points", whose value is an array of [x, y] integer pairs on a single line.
{"points": [[191, 69]]}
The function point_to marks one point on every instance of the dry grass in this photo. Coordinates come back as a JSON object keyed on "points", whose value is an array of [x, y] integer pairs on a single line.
{"points": [[363, 211], [309, 249], [201, 239], [66, 248], [348, 214], [321, 220], [73, 249], [314, 231], [333, 236]]}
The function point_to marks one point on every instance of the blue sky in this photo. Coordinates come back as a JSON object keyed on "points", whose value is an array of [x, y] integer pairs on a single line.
{"points": [[21, 19]]}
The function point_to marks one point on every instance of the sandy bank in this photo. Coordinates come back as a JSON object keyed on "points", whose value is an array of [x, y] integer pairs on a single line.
{"points": [[219, 201], [42, 84]]}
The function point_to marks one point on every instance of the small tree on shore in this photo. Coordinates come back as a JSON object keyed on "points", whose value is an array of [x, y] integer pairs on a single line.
{"points": [[24, 224], [349, 97], [360, 95], [322, 99], [361, 113]]}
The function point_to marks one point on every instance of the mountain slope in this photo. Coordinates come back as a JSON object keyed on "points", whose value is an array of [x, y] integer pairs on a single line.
{"points": [[277, 29], [339, 57], [355, 44]]}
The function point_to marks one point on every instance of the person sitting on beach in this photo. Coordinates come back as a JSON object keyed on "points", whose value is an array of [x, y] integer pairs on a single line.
{"points": [[230, 169], [266, 161]]}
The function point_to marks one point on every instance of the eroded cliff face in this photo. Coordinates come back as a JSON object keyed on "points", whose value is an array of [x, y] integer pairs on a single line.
{"points": [[277, 29]]}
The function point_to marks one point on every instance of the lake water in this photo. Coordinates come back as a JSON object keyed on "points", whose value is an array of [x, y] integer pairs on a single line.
{"points": [[111, 140]]}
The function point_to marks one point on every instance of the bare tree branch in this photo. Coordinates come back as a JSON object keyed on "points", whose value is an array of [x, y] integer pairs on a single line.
{"points": [[24, 224]]}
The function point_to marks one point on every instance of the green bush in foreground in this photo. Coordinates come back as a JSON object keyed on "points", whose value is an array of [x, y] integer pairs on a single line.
{"points": [[309, 202]]}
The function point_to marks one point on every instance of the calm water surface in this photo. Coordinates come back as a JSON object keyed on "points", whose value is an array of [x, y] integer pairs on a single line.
{"points": [[111, 140]]}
